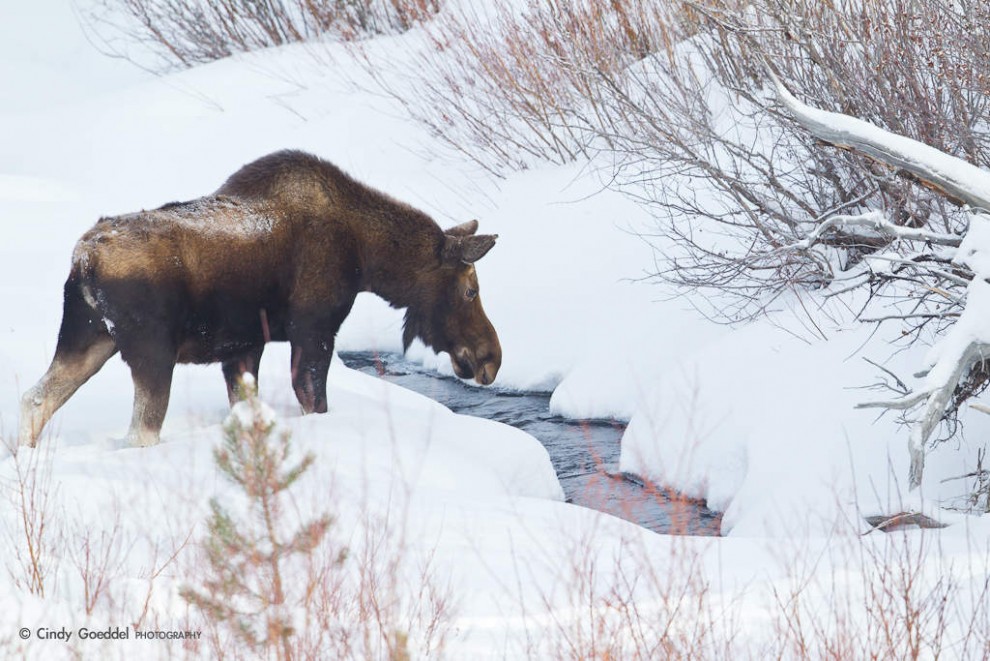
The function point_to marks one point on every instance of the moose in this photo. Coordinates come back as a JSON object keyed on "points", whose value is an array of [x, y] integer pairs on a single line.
{"points": [[278, 253]]}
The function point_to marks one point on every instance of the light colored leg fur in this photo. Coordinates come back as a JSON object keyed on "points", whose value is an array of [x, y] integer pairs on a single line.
{"points": [[59, 383], [152, 383], [141, 434]]}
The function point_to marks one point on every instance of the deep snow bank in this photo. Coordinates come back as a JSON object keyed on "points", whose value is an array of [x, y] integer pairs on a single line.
{"points": [[762, 424]]}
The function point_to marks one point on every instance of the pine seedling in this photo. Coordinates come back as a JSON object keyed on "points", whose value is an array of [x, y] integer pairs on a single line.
{"points": [[246, 555]]}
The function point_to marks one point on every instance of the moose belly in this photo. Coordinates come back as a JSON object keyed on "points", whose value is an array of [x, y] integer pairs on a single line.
{"points": [[228, 332]]}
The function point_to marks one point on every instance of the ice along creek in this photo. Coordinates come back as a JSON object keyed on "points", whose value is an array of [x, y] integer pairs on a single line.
{"points": [[585, 453]]}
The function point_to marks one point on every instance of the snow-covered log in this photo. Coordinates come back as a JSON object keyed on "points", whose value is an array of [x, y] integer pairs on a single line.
{"points": [[951, 176], [874, 221], [967, 343]]}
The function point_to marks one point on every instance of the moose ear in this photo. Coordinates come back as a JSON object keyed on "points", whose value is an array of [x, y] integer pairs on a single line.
{"points": [[464, 229], [467, 249]]}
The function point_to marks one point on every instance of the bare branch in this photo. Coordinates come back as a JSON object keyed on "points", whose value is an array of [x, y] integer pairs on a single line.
{"points": [[908, 402]]}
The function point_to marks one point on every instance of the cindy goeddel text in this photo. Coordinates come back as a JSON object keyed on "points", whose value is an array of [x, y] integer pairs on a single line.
{"points": [[110, 633]]}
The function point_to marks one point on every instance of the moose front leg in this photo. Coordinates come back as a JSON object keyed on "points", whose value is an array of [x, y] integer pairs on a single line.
{"points": [[310, 365], [311, 337]]}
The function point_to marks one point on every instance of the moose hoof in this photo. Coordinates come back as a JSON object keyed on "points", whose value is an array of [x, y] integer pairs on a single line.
{"points": [[142, 439], [26, 438]]}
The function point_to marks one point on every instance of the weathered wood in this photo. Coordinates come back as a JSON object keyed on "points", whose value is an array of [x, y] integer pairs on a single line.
{"points": [[890, 522]]}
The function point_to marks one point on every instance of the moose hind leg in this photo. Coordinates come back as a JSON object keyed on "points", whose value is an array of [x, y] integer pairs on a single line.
{"points": [[152, 377], [71, 367], [235, 368], [84, 345]]}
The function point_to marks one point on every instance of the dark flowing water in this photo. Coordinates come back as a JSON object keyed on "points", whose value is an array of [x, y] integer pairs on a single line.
{"points": [[585, 453]]}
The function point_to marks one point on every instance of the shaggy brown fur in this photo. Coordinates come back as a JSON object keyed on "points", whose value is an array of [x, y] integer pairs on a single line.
{"points": [[278, 253]]}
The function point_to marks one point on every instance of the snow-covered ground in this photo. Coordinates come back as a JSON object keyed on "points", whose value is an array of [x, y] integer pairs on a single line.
{"points": [[757, 420]]}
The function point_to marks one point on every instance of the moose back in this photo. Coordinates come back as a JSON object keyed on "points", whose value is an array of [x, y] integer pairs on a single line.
{"points": [[278, 253]]}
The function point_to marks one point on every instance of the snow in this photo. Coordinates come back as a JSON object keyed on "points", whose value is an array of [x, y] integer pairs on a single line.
{"points": [[48, 61], [973, 250], [768, 433], [759, 420], [249, 412], [973, 325]]}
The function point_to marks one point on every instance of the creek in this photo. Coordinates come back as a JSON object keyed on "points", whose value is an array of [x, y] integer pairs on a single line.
{"points": [[584, 453]]}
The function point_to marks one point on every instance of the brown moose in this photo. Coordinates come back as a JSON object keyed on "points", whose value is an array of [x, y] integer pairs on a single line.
{"points": [[278, 253]]}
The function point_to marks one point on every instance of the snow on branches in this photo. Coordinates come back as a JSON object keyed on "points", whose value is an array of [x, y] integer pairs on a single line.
{"points": [[966, 345]]}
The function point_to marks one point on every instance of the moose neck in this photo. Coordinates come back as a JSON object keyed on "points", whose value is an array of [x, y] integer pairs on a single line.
{"points": [[397, 252]]}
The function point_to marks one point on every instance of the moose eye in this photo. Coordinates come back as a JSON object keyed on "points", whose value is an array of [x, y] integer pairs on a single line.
{"points": [[470, 293]]}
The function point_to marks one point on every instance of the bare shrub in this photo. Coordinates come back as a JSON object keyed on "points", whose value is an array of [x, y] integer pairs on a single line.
{"points": [[893, 598], [155, 569], [978, 492], [376, 600], [973, 615], [893, 595], [626, 603], [36, 535], [98, 557], [508, 88], [187, 32]]}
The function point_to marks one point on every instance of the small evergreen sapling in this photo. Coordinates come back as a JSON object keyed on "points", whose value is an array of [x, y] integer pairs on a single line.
{"points": [[247, 555]]}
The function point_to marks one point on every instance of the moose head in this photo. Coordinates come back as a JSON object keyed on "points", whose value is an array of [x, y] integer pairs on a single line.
{"points": [[448, 315]]}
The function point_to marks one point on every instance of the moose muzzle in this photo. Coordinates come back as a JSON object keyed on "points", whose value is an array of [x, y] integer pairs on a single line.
{"points": [[482, 365]]}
